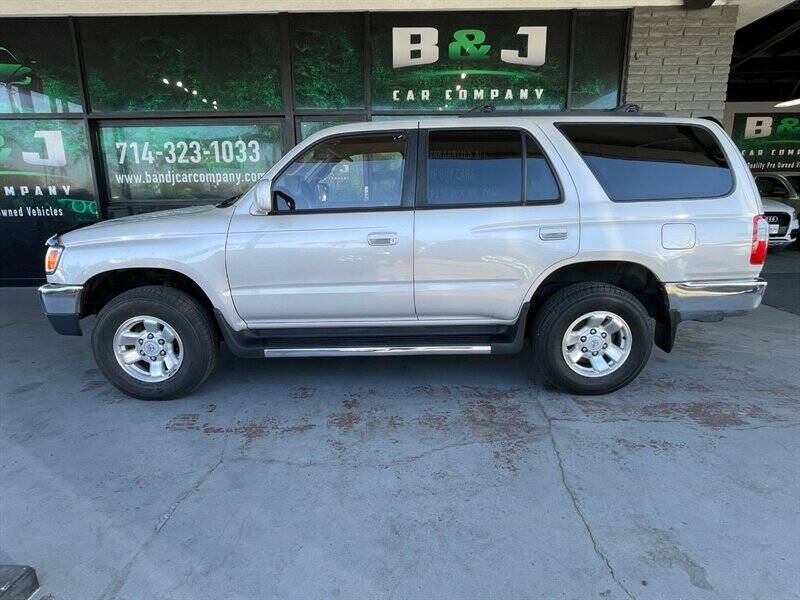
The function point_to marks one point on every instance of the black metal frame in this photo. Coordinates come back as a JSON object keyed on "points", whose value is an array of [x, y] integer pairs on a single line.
{"points": [[288, 116]]}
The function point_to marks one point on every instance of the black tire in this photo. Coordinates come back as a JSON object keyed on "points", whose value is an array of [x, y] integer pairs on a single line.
{"points": [[184, 314], [570, 303]]}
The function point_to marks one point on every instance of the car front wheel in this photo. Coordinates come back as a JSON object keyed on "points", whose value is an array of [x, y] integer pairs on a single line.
{"points": [[155, 342], [591, 338]]}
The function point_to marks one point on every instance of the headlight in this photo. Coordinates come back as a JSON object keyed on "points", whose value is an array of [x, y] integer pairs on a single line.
{"points": [[51, 259]]}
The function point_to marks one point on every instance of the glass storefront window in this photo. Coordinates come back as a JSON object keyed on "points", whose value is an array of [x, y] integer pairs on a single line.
{"points": [[183, 63], [189, 108], [47, 185], [311, 125], [186, 162], [328, 61], [455, 61], [45, 170], [597, 60], [37, 67]]}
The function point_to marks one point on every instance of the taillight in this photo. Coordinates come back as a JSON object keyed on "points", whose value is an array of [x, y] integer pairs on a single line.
{"points": [[758, 251], [51, 259]]}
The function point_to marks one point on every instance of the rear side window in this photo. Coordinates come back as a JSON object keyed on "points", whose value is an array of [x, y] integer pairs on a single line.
{"points": [[540, 183], [474, 167], [646, 161]]}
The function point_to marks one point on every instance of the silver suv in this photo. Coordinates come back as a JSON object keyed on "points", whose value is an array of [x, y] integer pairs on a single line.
{"points": [[593, 237]]}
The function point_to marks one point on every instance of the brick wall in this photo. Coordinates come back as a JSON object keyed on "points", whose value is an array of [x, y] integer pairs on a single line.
{"points": [[680, 59]]}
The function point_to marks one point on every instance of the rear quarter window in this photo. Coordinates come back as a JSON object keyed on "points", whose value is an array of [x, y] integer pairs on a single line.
{"points": [[651, 161]]}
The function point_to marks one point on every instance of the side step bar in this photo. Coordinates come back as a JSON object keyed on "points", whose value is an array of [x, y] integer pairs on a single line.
{"points": [[379, 341], [375, 351]]}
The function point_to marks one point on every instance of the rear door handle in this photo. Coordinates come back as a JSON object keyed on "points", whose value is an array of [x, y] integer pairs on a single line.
{"points": [[552, 233], [382, 238]]}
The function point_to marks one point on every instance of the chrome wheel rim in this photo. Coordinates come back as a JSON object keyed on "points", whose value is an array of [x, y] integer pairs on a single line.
{"points": [[148, 349], [597, 344]]}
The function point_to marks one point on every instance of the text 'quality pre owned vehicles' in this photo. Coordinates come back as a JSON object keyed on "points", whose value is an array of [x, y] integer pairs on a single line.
{"points": [[595, 235]]}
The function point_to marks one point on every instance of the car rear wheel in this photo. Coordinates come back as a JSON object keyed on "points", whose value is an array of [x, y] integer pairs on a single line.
{"points": [[591, 338], [155, 343]]}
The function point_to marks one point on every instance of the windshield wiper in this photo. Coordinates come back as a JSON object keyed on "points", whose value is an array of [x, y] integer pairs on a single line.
{"points": [[228, 201]]}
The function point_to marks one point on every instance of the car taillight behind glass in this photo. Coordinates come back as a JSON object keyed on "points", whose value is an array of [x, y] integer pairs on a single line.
{"points": [[758, 251]]}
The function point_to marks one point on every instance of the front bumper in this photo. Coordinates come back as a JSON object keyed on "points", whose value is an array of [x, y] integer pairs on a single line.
{"points": [[62, 306], [713, 300], [789, 237]]}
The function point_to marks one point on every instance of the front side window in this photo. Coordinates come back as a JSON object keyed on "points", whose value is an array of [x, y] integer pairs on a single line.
{"points": [[347, 172], [648, 161], [474, 167]]}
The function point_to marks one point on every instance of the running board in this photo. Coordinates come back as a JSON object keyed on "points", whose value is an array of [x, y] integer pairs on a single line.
{"points": [[375, 351], [374, 341]]}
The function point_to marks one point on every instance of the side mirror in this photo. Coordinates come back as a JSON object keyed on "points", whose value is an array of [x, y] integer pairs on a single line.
{"points": [[263, 194]]}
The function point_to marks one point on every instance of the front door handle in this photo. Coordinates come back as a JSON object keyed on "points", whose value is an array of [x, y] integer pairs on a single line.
{"points": [[552, 233], [382, 238]]}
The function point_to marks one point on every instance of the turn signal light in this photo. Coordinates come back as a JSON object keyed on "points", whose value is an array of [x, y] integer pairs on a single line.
{"points": [[51, 259], [758, 251]]}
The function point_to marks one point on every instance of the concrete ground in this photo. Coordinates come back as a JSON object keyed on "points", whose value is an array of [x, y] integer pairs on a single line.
{"points": [[436, 477]]}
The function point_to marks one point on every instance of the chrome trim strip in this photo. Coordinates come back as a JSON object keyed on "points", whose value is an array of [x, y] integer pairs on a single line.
{"points": [[374, 351], [53, 288], [716, 288], [713, 300], [58, 299]]}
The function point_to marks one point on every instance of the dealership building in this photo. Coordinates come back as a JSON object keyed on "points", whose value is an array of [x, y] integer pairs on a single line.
{"points": [[115, 108]]}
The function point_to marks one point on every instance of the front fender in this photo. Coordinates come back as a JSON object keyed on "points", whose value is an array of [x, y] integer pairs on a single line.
{"points": [[201, 258]]}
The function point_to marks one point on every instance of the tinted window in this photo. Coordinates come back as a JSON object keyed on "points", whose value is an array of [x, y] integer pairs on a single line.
{"points": [[39, 199], [596, 71], [474, 167], [635, 161], [431, 61], [345, 172], [311, 125], [316, 84], [769, 187], [199, 161], [37, 67], [182, 63], [540, 183]]}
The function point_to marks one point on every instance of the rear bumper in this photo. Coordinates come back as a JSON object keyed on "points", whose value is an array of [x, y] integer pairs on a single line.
{"points": [[713, 300], [62, 306]]}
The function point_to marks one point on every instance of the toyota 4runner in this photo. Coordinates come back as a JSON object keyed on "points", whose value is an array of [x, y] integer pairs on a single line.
{"points": [[592, 236]]}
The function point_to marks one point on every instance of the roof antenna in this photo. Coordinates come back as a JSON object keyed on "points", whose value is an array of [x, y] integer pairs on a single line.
{"points": [[482, 108]]}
